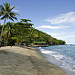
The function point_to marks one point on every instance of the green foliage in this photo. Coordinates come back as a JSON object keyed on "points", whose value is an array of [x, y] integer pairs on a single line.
{"points": [[6, 12], [41, 36], [22, 32]]}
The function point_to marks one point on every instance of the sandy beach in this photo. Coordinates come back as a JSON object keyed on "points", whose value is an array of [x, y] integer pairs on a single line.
{"points": [[23, 61]]}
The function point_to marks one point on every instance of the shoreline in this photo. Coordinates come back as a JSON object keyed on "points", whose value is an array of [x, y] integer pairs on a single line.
{"points": [[54, 61], [20, 61]]}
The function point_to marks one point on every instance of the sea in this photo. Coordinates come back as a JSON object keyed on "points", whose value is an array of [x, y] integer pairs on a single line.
{"points": [[61, 55]]}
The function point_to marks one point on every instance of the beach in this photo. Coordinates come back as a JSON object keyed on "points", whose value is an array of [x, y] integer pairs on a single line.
{"points": [[25, 61]]}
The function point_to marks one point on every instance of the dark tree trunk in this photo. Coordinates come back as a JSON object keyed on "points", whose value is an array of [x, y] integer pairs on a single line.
{"points": [[2, 31]]}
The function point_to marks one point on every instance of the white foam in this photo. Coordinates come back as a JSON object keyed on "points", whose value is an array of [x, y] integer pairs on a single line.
{"points": [[47, 51], [64, 61], [58, 57]]}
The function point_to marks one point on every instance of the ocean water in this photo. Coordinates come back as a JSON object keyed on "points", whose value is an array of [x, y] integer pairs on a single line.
{"points": [[57, 55]]}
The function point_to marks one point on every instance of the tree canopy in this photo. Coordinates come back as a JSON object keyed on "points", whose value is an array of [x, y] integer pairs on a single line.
{"points": [[23, 31], [6, 13]]}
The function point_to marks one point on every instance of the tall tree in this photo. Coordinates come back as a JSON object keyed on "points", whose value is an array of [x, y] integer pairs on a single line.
{"points": [[8, 31], [6, 13]]}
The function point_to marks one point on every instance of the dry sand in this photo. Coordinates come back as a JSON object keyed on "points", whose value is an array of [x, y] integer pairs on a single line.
{"points": [[22, 61]]}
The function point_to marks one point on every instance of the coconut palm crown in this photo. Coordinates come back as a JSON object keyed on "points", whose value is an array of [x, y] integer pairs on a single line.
{"points": [[6, 12]]}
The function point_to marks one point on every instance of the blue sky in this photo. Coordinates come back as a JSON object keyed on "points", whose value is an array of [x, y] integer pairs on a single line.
{"points": [[55, 17]]}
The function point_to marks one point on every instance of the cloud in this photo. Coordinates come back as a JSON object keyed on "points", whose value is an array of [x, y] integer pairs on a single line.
{"points": [[53, 34], [51, 27], [56, 35], [63, 18], [15, 10], [69, 36], [64, 36], [60, 36]]}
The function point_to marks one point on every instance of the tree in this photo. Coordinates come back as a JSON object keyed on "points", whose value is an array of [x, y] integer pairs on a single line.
{"points": [[8, 31], [26, 24], [6, 13], [25, 20], [25, 28]]}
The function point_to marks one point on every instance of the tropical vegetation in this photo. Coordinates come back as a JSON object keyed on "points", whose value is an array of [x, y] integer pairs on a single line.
{"points": [[6, 13], [23, 31]]}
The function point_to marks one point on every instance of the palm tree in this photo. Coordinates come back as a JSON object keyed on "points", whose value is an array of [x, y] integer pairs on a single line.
{"points": [[9, 29], [6, 13], [8, 32]]}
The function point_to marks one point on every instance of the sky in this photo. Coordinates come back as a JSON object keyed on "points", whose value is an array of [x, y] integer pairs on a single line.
{"points": [[54, 17]]}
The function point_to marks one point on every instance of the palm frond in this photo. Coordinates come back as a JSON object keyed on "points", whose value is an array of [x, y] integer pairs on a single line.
{"points": [[14, 17], [1, 13], [13, 14], [1, 8], [11, 9], [7, 6], [25, 20], [10, 18], [6, 12], [3, 17]]}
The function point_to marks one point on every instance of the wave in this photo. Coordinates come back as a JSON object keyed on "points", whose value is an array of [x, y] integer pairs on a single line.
{"points": [[63, 61]]}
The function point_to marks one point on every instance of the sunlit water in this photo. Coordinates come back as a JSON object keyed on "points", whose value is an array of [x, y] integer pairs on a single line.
{"points": [[61, 58]]}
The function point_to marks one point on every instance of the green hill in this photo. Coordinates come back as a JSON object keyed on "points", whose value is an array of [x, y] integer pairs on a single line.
{"points": [[23, 32]]}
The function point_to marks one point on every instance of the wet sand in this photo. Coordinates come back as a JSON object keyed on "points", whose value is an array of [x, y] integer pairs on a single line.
{"points": [[25, 61]]}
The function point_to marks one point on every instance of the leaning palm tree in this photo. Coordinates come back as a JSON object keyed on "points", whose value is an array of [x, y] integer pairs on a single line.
{"points": [[9, 29], [8, 32], [6, 13]]}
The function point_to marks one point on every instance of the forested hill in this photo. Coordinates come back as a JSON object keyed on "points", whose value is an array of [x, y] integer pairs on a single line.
{"points": [[42, 36], [23, 32]]}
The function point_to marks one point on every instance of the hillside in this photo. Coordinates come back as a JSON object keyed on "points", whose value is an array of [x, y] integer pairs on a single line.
{"points": [[23, 32]]}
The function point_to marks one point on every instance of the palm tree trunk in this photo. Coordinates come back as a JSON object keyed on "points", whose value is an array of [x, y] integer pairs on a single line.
{"points": [[2, 31]]}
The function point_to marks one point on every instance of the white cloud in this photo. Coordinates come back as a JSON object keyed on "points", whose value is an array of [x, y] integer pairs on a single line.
{"points": [[61, 36], [15, 10], [63, 18], [56, 35], [69, 36], [51, 27], [70, 39], [53, 34]]}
